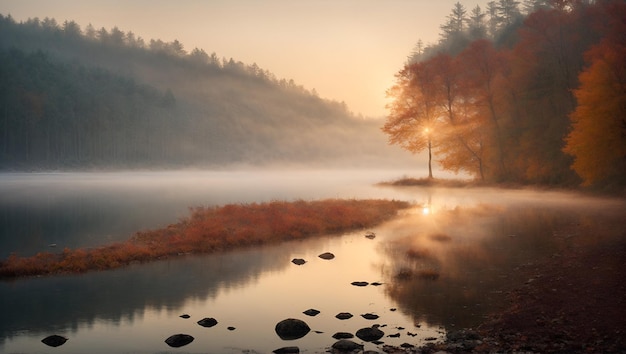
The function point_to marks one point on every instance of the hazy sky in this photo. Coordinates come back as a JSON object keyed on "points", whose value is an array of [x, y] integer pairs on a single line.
{"points": [[348, 50]]}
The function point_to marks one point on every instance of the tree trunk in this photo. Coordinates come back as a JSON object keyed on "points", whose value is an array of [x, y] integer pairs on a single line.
{"points": [[430, 158]]}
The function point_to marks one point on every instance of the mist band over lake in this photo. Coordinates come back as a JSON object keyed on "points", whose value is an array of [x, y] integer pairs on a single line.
{"points": [[472, 238]]}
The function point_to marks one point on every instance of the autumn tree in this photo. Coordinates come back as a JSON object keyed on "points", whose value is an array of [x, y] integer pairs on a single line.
{"points": [[535, 93], [460, 135], [481, 66], [414, 111], [598, 136]]}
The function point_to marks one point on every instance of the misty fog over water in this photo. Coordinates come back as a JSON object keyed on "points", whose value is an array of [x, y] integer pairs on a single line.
{"points": [[473, 238], [88, 209]]}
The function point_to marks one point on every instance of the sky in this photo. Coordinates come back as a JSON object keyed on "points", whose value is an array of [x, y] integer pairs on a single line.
{"points": [[347, 50]]}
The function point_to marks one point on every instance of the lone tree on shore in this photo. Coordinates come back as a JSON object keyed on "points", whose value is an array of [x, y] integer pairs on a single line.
{"points": [[413, 112]]}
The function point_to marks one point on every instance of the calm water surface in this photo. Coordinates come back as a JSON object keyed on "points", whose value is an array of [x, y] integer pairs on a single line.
{"points": [[472, 239]]}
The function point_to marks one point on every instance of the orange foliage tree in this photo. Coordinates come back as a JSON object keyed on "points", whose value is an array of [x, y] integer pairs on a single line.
{"points": [[449, 99], [598, 136], [414, 112], [482, 65], [461, 147]]}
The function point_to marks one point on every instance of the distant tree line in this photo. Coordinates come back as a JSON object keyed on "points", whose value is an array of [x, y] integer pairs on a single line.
{"points": [[98, 98], [57, 114], [540, 98]]}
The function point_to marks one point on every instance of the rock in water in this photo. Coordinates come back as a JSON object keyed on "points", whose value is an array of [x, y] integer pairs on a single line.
{"points": [[326, 255], [345, 345], [343, 335], [298, 261], [369, 316], [311, 312], [292, 328], [54, 340], [207, 322], [179, 340], [359, 283], [287, 350], [344, 315], [369, 334]]}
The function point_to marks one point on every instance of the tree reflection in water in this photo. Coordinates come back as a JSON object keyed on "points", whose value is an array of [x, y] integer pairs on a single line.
{"points": [[451, 268]]}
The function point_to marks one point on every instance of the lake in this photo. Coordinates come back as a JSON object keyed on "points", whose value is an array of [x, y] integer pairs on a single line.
{"points": [[470, 240]]}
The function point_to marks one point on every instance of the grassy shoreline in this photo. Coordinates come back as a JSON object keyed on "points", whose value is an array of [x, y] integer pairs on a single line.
{"points": [[213, 229]]}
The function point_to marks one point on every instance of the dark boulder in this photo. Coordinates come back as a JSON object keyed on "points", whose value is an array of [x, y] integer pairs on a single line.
{"points": [[207, 322], [311, 312], [360, 283], [298, 261], [326, 255], [345, 345], [184, 316], [54, 340], [287, 350], [369, 334], [370, 235], [344, 315], [292, 328], [369, 316], [343, 335], [179, 340]]}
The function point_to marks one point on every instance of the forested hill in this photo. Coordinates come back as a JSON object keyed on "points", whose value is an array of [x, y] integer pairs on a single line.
{"points": [[85, 98]]}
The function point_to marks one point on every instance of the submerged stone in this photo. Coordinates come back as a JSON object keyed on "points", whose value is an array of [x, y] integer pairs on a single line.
{"points": [[343, 335], [346, 345], [179, 340], [369, 316], [344, 315], [287, 350], [327, 255], [311, 312], [54, 340], [360, 283], [298, 261]]}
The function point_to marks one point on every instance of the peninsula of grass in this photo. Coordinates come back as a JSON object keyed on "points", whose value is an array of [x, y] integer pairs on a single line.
{"points": [[431, 182], [213, 229]]}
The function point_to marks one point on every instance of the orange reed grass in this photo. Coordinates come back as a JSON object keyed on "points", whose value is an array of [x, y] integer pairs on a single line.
{"points": [[211, 229]]}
